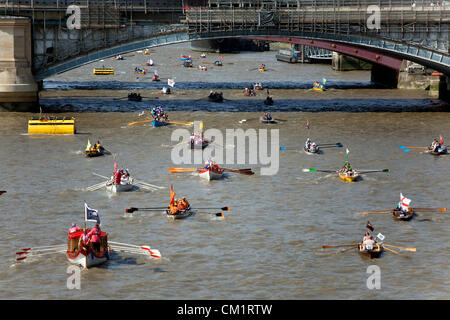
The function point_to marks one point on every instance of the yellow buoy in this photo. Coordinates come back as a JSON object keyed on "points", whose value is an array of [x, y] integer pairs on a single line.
{"points": [[51, 125]]}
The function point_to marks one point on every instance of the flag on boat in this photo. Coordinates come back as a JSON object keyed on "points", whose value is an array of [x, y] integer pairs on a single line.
{"points": [[380, 236], [172, 195], [369, 226], [222, 58], [307, 124], [171, 82], [88, 147], [115, 166], [404, 202], [324, 81], [91, 214], [441, 140], [346, 153]]}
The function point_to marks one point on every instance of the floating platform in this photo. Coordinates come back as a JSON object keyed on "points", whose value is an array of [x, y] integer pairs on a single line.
{"points": [[51, 125], [103, 71]]}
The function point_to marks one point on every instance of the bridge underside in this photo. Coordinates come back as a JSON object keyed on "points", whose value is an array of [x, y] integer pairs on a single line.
{"points": [[378, 51]]}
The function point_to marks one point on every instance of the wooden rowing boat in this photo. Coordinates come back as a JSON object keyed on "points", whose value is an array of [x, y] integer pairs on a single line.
{"points": [[215, 97], [86, 257], [211, 173], [181, 214], [268, 101], [346, 176], [374, 252], [404, 216], [93, 153]]}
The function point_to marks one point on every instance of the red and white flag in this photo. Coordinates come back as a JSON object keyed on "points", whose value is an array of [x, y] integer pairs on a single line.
{"points": [[442, 140], [170, 82]]}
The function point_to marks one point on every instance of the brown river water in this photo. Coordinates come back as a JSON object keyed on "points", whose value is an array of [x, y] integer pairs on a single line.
{"points": [[269, 245]]}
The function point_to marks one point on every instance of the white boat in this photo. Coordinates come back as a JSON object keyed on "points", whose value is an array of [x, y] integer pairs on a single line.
{"points": [[125, 185], [311, 150], [86, 259], [209, 174], [440, 150]]}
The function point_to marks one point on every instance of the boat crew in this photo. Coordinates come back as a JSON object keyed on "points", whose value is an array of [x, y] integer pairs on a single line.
{"points": [[308, 144], [403, 205], [84, 242], [368, 242], [94, 236], [74, 228]]}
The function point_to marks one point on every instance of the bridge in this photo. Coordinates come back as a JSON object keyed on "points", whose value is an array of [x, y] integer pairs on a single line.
{"points": [[40, 38]]}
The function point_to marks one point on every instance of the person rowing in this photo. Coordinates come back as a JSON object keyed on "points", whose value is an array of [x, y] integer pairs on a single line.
{"points": [[435, 145], [308, 144]]}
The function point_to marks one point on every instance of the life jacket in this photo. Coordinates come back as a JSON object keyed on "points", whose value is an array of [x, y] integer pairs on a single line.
{"points": [[94, 234], [118, 177]]}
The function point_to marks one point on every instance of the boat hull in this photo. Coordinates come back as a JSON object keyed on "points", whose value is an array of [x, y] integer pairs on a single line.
{"points": [[210, 174], [406, 216], [180, 214], [87, 260], [119, 187], [93, 154], [344, 177], [441, 150], [267, 121], [199, 145], [374, 253], [156, 123], [310, 152]]}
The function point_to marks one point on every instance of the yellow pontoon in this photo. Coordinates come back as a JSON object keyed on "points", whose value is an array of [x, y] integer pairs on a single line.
{"points": [[51, 125], [103, 71]]}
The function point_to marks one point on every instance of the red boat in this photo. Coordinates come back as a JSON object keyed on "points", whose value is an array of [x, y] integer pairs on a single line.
{"points": [[86, 257]]}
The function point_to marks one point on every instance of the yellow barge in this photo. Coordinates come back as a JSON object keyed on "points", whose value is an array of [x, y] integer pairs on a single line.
{"points": [[103, 71], [51, 125]]}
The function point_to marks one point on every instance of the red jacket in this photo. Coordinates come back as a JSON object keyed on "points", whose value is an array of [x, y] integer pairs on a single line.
{"points": [[94, 234]]}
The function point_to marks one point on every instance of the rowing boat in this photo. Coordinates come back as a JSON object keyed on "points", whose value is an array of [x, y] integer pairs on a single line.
{"points": [[268, 101], [440, 150], [215, 97], [156, 123], [86, 257], [213, 173], [372, 252], [348, 176], [156, 78], [196, 144], [401, 215], [267, 121], [134, 97], [311, 150], [123, 186], [262, 69], [181, 214], [93, 153]]}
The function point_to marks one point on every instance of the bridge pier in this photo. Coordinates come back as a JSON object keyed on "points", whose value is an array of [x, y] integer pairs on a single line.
{"points": [[342, 62], [18, 89]]}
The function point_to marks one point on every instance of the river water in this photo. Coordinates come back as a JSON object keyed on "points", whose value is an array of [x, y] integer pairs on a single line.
{"points": [[269, 245]]}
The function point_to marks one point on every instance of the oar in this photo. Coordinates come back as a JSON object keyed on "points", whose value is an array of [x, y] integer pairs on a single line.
{"points": [[99, 175], [317, 170], [136, 122], [183, 123], [223, 208], [248, 172], [371, 171], [40, 250], [339, 246], [396, 252], [132, 209], [39, 255], [180, 170], [32, 248], [324, 147], [337, 144], [404, 248], [403, 147], [147, 184], [381, 211], [431, 209], [153, 252], [96, 186]]}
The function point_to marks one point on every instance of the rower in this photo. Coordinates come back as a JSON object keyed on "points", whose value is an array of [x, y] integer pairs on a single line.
{"points": [[94, 236], [84, 242], [308, 144], [74, 228]]}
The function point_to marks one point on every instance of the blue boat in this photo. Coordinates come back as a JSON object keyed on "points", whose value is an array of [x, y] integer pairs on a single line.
{"points": [[185, 58], [156, 123]]}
